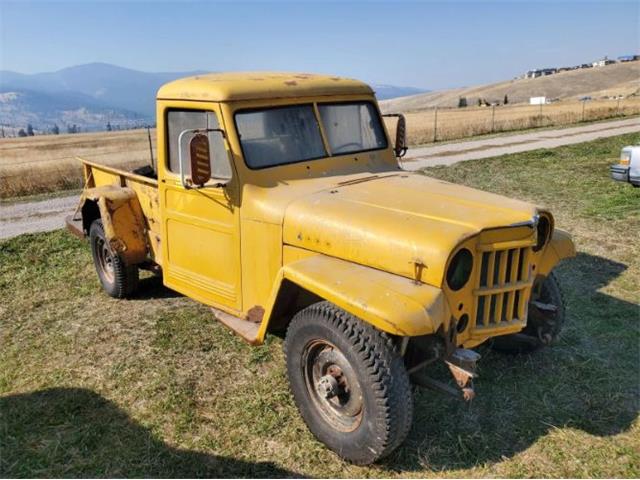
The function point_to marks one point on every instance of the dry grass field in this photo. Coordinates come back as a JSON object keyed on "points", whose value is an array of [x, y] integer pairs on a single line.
{"points": [[153, 386], [48, 163], [454, 123]]}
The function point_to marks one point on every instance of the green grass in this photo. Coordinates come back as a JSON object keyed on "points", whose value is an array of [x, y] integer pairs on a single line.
{"points": [[95, 387]]}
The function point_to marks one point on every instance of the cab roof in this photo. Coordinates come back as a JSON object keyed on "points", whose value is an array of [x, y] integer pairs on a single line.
{"points": [[221, 87]]}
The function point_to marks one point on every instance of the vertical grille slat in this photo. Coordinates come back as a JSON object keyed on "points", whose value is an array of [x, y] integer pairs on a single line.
{"points": [[490, 267], [515, 266], [505, 269], [499, 304]]}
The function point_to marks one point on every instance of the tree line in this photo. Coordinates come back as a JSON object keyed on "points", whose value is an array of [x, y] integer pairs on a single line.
{"points": [[29, 131]]}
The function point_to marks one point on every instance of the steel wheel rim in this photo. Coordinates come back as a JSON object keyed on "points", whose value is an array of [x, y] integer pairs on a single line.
{"points": [[105, 259], [332, 385]]}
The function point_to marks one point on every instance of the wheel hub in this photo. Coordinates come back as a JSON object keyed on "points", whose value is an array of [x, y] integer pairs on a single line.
{"points": [[333, 385], [327, 386], [105, 259]]}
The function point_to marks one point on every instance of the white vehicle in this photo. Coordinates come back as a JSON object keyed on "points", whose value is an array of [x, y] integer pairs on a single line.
{"points": [[628, 169]]}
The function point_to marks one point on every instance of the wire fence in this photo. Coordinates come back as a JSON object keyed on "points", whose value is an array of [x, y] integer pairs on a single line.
{"points": [[440, 124]]}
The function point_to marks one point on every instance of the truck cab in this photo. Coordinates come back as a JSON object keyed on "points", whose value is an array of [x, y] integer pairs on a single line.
{"points": [[278, 200]]}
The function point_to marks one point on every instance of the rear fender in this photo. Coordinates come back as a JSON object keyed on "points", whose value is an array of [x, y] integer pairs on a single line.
{"points": [[393, 304], [122, 219]]}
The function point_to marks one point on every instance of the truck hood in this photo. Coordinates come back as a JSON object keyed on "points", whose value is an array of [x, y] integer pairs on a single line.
{"points": [[393, 222]]}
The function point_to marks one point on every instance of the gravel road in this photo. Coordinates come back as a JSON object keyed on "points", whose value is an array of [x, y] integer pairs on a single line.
{"points": [[447, 154], [31, 217], [46, 215]]}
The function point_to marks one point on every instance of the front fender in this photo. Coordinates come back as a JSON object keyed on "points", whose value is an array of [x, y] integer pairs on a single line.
{"points": [[122, 219], [393, 304], [561, 246]]}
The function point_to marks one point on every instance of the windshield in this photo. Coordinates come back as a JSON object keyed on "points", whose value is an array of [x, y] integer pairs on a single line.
{"points": [[290, 134], [277, 136], [352, 127]]}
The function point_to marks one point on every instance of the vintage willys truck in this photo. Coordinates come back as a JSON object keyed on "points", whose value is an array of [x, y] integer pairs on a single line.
{"points": [[278, 200]]}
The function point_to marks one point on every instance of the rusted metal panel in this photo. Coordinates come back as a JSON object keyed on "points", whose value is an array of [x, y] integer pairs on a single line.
{"points": [[122, 219]]}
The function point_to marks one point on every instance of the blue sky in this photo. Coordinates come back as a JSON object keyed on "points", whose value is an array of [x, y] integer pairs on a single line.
{"points": [[424, 44]]}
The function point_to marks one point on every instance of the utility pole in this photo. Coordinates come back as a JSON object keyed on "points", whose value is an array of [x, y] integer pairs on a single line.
{"points": [[435, 125]]}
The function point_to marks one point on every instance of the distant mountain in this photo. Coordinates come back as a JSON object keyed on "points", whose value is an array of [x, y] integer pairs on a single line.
{"points": [[386, 92], [112, 85], [95, 93], [44, 110]]}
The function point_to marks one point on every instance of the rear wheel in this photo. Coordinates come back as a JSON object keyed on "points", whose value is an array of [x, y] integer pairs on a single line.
{"points": [[544, 323], [118, 279], [349, 383]]}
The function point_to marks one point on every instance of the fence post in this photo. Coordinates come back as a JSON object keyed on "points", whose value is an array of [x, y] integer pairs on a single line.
{"points": [[435, 125], [493, 118]]}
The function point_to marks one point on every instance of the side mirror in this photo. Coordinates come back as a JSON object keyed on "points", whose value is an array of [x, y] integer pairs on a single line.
{"points": [[401, 137], [400, 148], [197, 172], [200, 159]]}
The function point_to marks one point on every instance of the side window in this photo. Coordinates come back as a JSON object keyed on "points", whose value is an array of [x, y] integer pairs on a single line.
{"points": [[180, 120]]}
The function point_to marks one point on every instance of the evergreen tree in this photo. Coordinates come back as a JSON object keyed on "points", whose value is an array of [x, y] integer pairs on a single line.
{"points": [[30, 130], [462, 102], [506, 99], [109, 128], [22, 133], [55, 129]]}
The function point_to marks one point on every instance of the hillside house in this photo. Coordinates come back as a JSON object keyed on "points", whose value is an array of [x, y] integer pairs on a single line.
{"points": [[603, 63], [629, 58], [540, 72]]}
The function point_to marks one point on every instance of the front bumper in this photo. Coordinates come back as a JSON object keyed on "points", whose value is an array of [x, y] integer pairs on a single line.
{"points": [[620, 172]]}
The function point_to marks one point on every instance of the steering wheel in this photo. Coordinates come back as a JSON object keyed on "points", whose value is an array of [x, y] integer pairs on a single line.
{"points": [[344, 145]]}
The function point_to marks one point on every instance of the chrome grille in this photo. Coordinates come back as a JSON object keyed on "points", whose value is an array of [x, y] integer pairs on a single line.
{"points": [[502, 286]]}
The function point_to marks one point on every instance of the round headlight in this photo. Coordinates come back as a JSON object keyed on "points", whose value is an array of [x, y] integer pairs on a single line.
{"points": [[460, 269], [544, 232]]}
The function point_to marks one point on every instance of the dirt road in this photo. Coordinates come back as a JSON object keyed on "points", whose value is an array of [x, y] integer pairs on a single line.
{"points": [[49, 214], [447, 154], [31, 217]]}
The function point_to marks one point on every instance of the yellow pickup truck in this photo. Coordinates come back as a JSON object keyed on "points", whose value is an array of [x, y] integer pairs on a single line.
{"points": [[278, 200]]}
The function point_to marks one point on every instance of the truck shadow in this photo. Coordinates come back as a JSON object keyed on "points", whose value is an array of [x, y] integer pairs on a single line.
{"points": [[152, 287], [74, 432], [588, 380]]}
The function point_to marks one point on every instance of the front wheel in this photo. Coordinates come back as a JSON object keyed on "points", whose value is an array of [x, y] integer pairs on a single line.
{"points": [[544, 322], [349, 383]]}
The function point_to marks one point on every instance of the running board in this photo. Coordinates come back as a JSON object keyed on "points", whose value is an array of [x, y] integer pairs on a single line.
{"points": [[246, 329]]}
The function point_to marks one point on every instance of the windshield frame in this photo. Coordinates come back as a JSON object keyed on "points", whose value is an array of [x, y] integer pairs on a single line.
{"points": [[314, 104]]}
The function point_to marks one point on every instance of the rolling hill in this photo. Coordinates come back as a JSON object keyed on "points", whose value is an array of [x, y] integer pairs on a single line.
{"points": [[92, 95], [618, 79]]}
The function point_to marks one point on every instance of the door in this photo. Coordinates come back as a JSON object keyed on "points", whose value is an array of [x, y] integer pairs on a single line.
{"points": [[201, 235]]}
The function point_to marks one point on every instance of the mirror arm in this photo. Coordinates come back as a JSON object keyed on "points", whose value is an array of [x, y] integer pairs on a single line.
{"points": [[180, 159]]}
